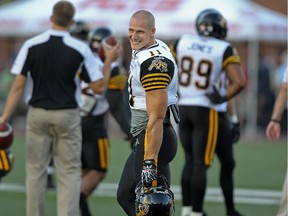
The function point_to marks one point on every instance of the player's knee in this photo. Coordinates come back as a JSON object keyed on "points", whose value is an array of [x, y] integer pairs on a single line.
{"points": [[228, 167], [101, 175], [199, 167]]}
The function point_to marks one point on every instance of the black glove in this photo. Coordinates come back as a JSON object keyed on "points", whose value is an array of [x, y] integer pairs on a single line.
{"points": [[215, 96], [148, 174], [235, 132]]}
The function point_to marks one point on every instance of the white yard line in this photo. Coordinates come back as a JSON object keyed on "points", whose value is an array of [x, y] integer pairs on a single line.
{"points": [[245, 196]]}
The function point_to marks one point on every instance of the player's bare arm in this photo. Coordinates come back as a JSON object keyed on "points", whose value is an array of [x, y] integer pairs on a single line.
{"points": [[236, 75], [273, 129], [14, 97], [280, 103], [111, 55], [157, 103]]}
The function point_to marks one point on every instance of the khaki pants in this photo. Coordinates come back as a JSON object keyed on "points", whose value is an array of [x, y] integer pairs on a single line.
{"points": [[57, 134]]}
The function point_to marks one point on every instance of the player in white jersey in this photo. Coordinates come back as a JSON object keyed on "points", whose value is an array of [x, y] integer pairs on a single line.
{"points": [[228, 133], [201, 59], [153, 89], [95, 144], [95, 141], [116, 93]]}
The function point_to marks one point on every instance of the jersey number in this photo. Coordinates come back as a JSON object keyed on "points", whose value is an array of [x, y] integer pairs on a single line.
{"points": [[157, 51], [203, 70]]}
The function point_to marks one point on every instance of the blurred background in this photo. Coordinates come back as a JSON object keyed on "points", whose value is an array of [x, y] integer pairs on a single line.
{"points": [[257, 28]]}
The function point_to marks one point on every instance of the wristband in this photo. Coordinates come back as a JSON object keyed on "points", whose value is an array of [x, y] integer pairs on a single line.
{"points": [[275, 120], [233, 119]]}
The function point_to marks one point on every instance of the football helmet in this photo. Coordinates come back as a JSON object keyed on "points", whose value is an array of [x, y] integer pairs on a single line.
{"points": [[154, 201], [6, 162], [211, 23], [96, 35], [80, 30]]}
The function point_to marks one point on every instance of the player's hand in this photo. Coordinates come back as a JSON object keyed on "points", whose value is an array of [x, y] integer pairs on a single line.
{"points": [[112, 53], [236, 132], [215, 96], [148, 174], [273, 131]]}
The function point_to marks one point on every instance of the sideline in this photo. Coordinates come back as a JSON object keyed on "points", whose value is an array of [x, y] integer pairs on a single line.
{"points": [[245, 196]]}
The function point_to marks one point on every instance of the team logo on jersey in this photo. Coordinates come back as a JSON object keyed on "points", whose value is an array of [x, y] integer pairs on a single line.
{"points": [[158, 65]]}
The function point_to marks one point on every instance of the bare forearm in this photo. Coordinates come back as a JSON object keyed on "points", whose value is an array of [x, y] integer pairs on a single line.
{"points": [[157, 103], [111, 55], [234, 89], [279, 105], [237, 78], [231, 107], [106, 72], [13, 99], [154, 135], [100, 86]]}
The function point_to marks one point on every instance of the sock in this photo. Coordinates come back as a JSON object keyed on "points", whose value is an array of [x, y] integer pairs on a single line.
{"points": [[196, 214], [186, 210], [50, 170], [84, 205]]}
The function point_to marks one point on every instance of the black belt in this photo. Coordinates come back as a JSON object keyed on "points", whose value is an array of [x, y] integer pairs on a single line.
{"points": [[167, 117]]}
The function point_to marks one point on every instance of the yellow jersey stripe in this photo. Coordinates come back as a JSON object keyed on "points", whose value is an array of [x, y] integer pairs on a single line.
{"points": [[5, 163], [154, 79], [147, 85], [231, 59], [102, 153], [156, 75], [155, 87]]}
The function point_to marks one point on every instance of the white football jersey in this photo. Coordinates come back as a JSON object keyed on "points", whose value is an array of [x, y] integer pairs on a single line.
{"points": [[201, 61], [102, 104], [152, 68]]}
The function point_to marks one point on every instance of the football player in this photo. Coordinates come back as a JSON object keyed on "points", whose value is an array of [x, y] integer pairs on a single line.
{"points": [[152, 84], [115, 93], [80, 29], [228, 133], [95, 140], [201, 59]]}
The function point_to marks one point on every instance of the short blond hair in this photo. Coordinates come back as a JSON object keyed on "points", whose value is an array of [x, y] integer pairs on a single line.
{"points": [[148, 16]]}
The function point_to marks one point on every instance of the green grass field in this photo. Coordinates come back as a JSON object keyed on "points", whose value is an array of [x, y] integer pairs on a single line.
{"points": [[260, 165]]}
